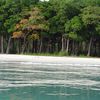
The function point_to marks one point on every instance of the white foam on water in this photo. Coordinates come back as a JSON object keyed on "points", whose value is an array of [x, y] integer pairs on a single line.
{"points": [[61, 94], [97, 89], [45, 71], [53, 64], [53, 82], [4, 89]]}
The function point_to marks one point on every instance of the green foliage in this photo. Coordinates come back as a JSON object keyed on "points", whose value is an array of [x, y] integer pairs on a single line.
{"points": [[98, 28], [79, 2], [45, 23], [64, 53], [11, 22], [73, 27], [91, 15], [75, 24], [91, 19]]}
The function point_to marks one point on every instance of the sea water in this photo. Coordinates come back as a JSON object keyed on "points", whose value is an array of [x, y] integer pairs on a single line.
{"points": [[49, 81]]}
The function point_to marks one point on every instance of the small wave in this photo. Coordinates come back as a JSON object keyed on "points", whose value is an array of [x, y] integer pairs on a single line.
{"points": [[50, 64], [61, 94], [86, 83], [96, 89], [4, 89]]}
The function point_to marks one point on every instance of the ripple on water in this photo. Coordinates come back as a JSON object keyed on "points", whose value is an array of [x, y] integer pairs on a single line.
{"points": [[21, 74]]}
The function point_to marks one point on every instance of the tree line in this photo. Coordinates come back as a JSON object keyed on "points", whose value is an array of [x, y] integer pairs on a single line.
{"points": [[70, 27]]}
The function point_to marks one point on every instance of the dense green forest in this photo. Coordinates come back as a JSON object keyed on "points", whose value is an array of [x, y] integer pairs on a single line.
{"points": [[70, 27]]}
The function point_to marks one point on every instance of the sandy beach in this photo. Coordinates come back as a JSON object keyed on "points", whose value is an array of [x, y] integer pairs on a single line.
{"points": [[49, 59]]}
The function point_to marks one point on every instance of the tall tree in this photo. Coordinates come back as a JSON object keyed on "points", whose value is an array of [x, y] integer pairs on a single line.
{"points": [[31, 26], [91, 19], [73, 28]]}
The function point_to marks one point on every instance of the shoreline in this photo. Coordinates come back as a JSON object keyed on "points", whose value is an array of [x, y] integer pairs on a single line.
{"points": [[49, 59]]}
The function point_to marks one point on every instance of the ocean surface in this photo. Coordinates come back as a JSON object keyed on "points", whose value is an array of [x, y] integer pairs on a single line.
{"points": [[49, 81]]}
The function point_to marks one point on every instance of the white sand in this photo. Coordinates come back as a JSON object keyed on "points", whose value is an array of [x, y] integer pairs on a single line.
{"points": [[49, 59]]}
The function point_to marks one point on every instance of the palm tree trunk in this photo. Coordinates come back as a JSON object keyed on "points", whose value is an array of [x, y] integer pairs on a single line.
{"points": [[89, 48], [73, 47], [62, 44], [23, 46], [67, 48], [8, 46], [2, 44], [41, 43]]}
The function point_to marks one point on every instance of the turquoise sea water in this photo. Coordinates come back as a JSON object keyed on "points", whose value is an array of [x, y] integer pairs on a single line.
{"points": [[49, 81]]}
